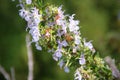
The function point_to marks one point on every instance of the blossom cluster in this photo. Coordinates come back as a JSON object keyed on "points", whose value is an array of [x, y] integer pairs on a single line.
{"points": [[60, 34], [33, 18]]}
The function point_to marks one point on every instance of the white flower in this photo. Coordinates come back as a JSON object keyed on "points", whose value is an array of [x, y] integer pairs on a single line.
{"points": [[28, 1], [82, 60], [74, 50], [77, 39], [66, 69], [73, 24], [77, 75], [59, 44]]}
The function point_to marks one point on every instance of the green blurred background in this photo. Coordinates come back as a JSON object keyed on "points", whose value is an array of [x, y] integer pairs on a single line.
{"points": [[99, 21]]}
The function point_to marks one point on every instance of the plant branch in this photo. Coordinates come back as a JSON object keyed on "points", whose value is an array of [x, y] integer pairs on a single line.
{"points": [[30, 58]]}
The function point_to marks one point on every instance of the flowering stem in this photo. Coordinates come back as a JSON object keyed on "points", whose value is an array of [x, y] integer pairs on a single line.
{"points": [[60, 34]]}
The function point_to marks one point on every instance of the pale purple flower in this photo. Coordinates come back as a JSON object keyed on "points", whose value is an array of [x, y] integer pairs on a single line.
{"points": [[28, 1], [66, 69], [34, 31], [24, 14], [64, 26], [38, 47], [61, 44], [82, 60], [57, 55], [32, 17], [89, 45], [36, 15], [61, 13], [64, 43], [77, 75], [73, 24]]}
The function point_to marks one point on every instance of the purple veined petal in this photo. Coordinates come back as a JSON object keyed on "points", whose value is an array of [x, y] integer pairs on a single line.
{"points": [[66, 69]]}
